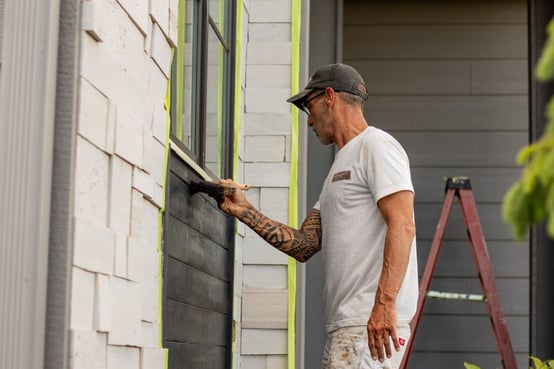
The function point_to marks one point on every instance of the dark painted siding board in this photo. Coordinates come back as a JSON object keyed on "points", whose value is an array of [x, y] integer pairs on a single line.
{"points": [[195, 356], [192, 286], [198, 259], [190, 247], [195, 325], [199, 211]]}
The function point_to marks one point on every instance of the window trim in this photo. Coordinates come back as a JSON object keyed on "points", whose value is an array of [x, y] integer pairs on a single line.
{"points": [[202, 24]]}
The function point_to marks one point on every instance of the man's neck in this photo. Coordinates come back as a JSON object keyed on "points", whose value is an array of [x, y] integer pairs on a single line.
{"points": [[349, 128]]}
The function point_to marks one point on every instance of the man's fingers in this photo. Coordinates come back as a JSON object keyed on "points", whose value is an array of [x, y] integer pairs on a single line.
{"points": [[379, 342], [372, 347], [394, 337], [386, 343], [380, 351]]}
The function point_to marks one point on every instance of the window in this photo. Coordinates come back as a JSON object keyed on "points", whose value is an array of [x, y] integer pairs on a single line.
{"points": [[202, 75]]}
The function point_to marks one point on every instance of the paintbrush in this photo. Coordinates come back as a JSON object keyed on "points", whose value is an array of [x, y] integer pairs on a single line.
{"points": [[216, 190]]}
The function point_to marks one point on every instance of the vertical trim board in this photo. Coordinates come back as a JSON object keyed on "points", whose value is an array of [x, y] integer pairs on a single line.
{"points": [[27, 102]]}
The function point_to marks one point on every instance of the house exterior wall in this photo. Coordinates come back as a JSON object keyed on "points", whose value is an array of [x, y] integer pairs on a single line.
{"points": [[121, 143], [27, 125], [449, 80], [119, 165]]}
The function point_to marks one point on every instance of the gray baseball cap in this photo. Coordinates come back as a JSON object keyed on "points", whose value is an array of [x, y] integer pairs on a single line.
{"points": [[340, 77]]}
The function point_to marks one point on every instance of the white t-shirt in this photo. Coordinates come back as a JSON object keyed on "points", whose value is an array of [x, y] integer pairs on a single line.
{"points": [[368, 168]]}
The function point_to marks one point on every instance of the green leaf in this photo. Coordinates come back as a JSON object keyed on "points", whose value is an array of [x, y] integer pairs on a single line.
{"points": [[524, 154], [515, 210], [549, 113], [545, 65], [470, 366], [536, 362]]}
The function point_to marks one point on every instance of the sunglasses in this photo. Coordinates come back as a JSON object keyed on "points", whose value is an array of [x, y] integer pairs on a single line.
{"points": [[304, 105]]}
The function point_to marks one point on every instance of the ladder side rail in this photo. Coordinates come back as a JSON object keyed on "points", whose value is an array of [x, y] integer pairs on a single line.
{"points": [[487, 279], [428, 271]]}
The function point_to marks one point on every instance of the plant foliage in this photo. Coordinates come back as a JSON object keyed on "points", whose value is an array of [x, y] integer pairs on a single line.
{"points": [[530, 200], [537, 364]]}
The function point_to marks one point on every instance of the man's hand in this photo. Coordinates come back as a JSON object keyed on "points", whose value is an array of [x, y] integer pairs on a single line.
{"points": [[299, 244], [381, 329], [235, 204], [397, 211]]}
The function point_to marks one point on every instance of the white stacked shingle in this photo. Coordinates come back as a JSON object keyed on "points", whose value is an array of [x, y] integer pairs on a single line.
{"points": [[266, 131], [115, 300]]}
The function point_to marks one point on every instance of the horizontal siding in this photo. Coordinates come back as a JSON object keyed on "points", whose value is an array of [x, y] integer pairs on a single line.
{"points": [[489, 183], [484, 12], [508, 258], [467, 333], [443, 77], [513, 292], [200, 212], [195, 355], [489, 214], [195, 325], [435, 41], [190, 247], [462, 149], [189, 285], [452, 113], [437, 360]]}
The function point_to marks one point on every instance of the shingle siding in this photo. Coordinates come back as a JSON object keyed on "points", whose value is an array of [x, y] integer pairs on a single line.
{"points": [[119, 170]]}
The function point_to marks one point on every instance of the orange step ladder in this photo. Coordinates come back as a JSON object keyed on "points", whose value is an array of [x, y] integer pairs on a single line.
{"points": [[461, 187]]}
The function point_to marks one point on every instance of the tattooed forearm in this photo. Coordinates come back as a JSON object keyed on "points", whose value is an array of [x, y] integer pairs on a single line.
{"points": [[300, 244]]}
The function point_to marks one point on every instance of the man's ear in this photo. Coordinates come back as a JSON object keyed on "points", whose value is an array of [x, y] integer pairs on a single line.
{"points": [[330, 95]]}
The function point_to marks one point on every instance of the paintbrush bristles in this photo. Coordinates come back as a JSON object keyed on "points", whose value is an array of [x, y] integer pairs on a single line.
{"points": [[214, 189]]}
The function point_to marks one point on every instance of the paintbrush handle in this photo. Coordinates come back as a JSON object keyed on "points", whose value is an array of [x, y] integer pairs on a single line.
{"points": [[244, 186], [229, 189]]}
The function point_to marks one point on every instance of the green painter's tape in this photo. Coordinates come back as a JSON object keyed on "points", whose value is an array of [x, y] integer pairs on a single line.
{"points": [[167, 107], [236, 129], [179, 70], [296, 8]]}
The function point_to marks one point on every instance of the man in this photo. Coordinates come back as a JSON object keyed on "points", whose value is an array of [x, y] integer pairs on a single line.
{"points": [[363, 224]]}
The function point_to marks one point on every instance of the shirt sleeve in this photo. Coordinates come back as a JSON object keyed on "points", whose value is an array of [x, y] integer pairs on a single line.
{"points": [[387, 167]]}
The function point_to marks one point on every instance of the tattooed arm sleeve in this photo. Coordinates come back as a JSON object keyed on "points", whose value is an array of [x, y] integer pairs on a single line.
{"points": [[300, 244]]}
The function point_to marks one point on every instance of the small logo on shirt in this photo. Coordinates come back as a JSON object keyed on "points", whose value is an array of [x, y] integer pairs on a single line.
{"points": [[341, 176], [401, 341]]}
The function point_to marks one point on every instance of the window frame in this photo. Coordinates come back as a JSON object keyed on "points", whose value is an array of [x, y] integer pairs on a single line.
{"points": [[202, 24]]}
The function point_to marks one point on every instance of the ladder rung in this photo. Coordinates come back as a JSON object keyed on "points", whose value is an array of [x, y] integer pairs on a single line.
{"points": [[454, 296]]}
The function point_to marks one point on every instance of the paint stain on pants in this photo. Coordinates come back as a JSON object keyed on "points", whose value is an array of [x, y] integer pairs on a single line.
{"points": [[346, 348]]}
